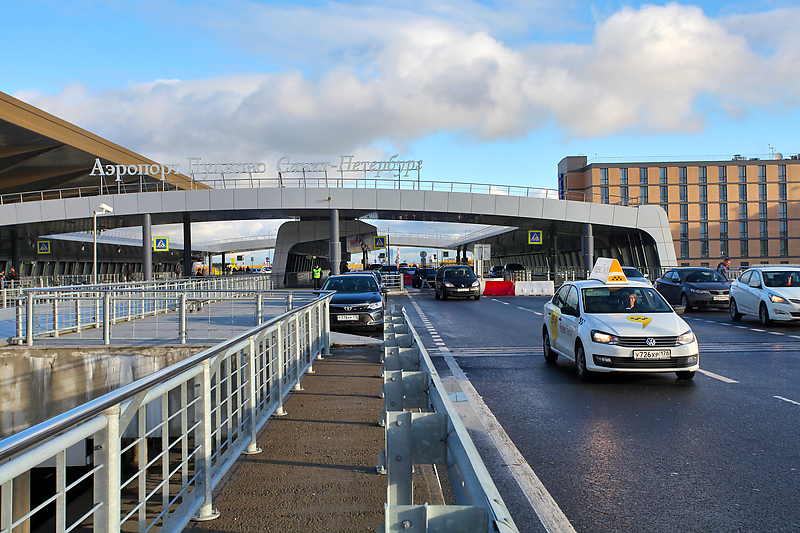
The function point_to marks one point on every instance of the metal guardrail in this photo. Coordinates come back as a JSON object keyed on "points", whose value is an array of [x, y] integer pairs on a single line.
{"points": [[159, 445], [436, 436], [393, 281]]}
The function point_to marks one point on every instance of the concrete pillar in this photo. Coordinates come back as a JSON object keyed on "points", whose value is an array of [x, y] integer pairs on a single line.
{"points": [[587, 249], [210, 264], [335, 245], [223, 263], [147, 248], [187, 246]]}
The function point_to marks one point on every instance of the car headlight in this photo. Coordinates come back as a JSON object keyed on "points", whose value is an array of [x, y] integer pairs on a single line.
{"points": [[476, 283], [685, 338], [448, 284], [699, 291], [774, 298], [604, 338], [375, 305]]}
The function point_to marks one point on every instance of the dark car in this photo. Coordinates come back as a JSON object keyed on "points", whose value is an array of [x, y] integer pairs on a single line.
{"points": [[456, 280], [358, 302], [694, 287], [496, 271], [428, 274], [513, 267]]}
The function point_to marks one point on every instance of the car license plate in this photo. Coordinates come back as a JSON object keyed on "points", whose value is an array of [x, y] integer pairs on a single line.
{"points": [[720, 298], [651, 354], [461, 290], [347, 317]]}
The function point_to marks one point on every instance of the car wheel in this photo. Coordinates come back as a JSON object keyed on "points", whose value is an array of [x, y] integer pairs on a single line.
{"points": [[763, 315], [435, 293], [685, 301], [735, 314], [478, 297], [685, 374], [580, 363], [444, 294], [549, 355]]}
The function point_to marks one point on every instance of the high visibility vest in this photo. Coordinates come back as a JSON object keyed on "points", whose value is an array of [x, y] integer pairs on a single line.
{"points": [[317, 272]]}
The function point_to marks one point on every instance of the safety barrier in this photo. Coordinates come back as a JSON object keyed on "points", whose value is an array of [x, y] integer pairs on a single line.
{"points": [[436, 436], [534, 288], [156, 448], [498, 288], [394, 282]]}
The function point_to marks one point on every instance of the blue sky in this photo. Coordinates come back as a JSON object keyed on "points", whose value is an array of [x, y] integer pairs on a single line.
{"points": [[482, 92]]}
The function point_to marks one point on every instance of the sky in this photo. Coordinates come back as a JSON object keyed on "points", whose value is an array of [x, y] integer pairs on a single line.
{"points": [[491, 92]]}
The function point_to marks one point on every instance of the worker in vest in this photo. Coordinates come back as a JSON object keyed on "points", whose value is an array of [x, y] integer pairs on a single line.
{"points": [[316, 273]]}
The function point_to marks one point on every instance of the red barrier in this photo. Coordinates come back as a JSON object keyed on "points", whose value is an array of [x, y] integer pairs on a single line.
{"points": [[499, 288], [408, 279]]}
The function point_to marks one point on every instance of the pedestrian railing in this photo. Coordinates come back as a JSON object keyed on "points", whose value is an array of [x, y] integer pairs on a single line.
{"points": [[155, 448], [394, 281], [436, 436]]}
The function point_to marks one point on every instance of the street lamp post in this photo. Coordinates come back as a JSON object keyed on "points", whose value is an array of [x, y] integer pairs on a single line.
{"points": [[438, 259], [103, 209]]}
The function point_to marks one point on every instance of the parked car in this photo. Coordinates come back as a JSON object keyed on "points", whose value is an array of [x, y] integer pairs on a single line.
{"points": [[513, 267], [769, 293], [694, 287], [423, 273], [613, 326], [358, 302], [496, 271], [633, 274], [456, 280]]}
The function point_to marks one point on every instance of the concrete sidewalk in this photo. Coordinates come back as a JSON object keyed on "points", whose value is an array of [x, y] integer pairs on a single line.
{"points": [[317, 470]]}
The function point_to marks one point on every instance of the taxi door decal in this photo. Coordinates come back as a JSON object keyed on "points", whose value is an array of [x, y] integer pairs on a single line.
{"points": [[554, 325], [645, 320]]}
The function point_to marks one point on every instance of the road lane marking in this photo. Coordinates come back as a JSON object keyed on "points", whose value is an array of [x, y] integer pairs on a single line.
{"points": [[786, 400], [717, 376], [758, 330], [776, 333]]}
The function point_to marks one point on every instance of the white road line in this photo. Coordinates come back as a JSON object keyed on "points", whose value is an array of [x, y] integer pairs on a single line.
{"points": [[758, 330], [776, 333], [786, 400], [740, 327], [717, 376], [794, 336], [540, 314]]}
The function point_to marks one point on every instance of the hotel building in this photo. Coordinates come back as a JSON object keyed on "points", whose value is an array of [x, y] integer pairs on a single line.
{"points": [[745, 208]]}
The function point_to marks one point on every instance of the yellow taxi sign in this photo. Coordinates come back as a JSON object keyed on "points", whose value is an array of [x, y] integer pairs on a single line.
{"points": [[608, 271]]}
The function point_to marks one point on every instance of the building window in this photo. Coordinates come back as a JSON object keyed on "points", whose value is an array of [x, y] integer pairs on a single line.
{"points": [[781, 172], [684, 212], [742, 174], [643, 176], [762, 172], [702, 174], [764, 248], [623, 176], [665, 207], [603, 176], [743, 230], [762, 210], [684, 250], [683, 193], [681, 174], [782, 210], [762, 192], [782, 191], [603, 195], [664, 194], [723, 174], [684, 230], [742, 193], [723, 193], [762, 229], [703, 248], [704, 193], [784, 247], [742, 211], [744, 250], [723, 211], [643, 197], [784, 228], [703, 211], [723, 230], [623, 195], [723, 248], [662, 176], [704, 230]]}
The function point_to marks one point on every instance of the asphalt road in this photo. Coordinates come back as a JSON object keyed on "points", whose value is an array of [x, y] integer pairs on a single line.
{"points": [[633, 453]]}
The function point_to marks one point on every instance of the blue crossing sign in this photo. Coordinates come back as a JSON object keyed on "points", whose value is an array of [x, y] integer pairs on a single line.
{"points": [[43, 247], [535, 236], [161, 244], [378, 242]]}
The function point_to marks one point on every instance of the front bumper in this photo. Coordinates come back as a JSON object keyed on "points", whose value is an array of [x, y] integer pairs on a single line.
{"points": [[610, 358], [461, 292], [783, 312], [354, 319], [709, 301]]}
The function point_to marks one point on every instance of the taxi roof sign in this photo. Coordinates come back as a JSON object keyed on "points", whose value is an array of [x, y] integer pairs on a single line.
{"points": [[608, 271]]}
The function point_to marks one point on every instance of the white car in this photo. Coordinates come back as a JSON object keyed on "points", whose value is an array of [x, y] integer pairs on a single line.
{"points": [[768, 292], [617, 326]]}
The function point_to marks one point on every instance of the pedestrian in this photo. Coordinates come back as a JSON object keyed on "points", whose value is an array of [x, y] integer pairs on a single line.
{"points": [[722, 267], [316, 273], [2, 279]]}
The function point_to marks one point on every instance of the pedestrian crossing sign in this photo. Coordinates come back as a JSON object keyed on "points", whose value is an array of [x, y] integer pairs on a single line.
{"points": [[535, 236], [43, 247], [161, 244], [379, 241]]}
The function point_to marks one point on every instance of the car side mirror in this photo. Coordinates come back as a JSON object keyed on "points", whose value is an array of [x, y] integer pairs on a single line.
{"points": [[679, 309], [569, 311]]}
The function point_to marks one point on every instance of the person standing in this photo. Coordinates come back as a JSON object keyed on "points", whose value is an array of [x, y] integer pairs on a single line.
{"points": [[316, 273], [722, 267]]}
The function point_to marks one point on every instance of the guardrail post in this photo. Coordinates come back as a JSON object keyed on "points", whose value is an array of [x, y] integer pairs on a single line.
{"points": [[399, 486], [96, 309], [252, 446], [326, 324], [107, 480], [289, 303], [258, 309], [29, 319], [205, 476], [55, 316], [297, 386], [312, 344], [279, 411], [107, 318], [77, 311], [182, 319]]}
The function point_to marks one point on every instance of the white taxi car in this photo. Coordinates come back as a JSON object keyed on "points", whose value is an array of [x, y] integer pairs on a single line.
{"points": [[767, 292], [608, 324]]}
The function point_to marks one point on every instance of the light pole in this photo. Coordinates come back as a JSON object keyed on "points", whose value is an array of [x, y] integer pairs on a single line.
{"points": [[438, 259], [103, 209]]}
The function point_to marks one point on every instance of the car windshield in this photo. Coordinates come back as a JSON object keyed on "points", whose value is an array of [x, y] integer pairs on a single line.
{"points": [[624, 300], [351, 284], [703, 276], [787, 278], [460, 272], [632, 272]]}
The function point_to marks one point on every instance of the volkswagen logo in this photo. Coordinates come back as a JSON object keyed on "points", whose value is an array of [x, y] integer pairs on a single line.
{"points": [[650, 341]]}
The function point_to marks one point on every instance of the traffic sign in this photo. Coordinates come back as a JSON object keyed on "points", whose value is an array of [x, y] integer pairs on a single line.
{"points": [[43, 247], [161, 244], [535, 236], [379, 241], [423, 254]]}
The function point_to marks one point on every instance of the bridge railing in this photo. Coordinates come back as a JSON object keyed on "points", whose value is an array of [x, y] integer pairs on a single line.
{"points": [[156, 447]]}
